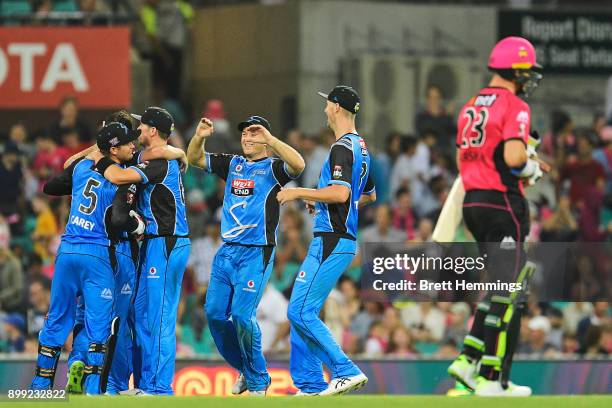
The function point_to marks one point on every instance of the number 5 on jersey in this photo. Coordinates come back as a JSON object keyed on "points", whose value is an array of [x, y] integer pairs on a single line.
{"points": [[90, 194]]}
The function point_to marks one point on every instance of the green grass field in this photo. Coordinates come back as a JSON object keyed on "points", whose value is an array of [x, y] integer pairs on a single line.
{"points": [[368, 401]]}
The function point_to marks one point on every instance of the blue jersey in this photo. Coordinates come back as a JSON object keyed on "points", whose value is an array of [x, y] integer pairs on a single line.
{"points": [[348, 164], [250, 209], [92, 197], [162, 198]]}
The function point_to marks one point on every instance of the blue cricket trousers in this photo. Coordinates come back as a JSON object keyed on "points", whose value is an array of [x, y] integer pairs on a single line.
{"points": [[311, 341], [162, 265], [238, 280], [80, 269]]}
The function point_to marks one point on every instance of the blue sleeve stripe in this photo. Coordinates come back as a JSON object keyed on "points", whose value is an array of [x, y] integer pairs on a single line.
{"points": [[340, 182], [373, 190], [286, 168], [145, 179], [207, 159]]}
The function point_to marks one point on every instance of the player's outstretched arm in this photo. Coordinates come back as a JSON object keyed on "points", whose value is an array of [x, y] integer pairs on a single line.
{"points": [[114, 174], [80, 154], [166, 152], [295, 161], [366, 199], [332, 194], [196, 155]]}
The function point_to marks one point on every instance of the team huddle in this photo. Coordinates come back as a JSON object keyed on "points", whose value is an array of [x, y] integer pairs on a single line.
{"points": [[122, 257]]}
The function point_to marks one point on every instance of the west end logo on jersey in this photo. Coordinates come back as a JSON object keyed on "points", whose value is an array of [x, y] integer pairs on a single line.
{"points": [[242, 187], [126, 289], [250, 287], [485, 100], [152, 273], [301, 276], [337, 174], [522, 117], [106, 294]]}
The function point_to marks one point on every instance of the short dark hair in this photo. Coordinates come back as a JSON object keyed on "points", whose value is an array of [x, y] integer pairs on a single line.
{"points": [[408, 142], [163, 135], [122, 116]]}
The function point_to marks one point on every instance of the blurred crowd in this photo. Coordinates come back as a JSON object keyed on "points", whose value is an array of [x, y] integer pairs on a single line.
{"points": [[413, 175]]}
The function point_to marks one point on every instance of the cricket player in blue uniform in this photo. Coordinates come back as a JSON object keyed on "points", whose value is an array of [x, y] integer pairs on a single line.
{"points": [[243, 264], [87, 261], [163, 254], [125, 288], [344, 185]]}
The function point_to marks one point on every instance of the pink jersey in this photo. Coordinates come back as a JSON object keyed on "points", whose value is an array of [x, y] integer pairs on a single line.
{"points": [[488, 119]]}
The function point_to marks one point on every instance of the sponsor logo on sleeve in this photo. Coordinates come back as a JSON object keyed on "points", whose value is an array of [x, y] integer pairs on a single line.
{"points": [[523, 117], [337, 174]]}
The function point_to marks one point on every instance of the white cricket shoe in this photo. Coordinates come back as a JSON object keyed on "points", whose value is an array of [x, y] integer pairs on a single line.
{"points": [[463, 371], [486, 388], [342, 385], [300, 393], [261, 393], [518, 390], [240, 385]]}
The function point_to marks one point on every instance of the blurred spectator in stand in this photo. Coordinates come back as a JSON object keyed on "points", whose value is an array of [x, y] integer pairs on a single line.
{"points": [[49, 159], [315, 155], [18, 134], [166, 25], [603, 155], [424, 231], [371, 312], [11, 182], [11, 278], [559, 144], [46, 228], [555, 337], [382, 230], [293, 246], [411, 170], [14, 327], [586, 178], [600, 316], [569, 345], [272, 319], [226, 138], [71, 142], [400, 344], [561, 225], [377, 341], [69, 119], [538, 344], [203, 250], [435, 118], [457, 327], [40, 296], [403, 216], [592, 347], [425, 321], [382, 164]]}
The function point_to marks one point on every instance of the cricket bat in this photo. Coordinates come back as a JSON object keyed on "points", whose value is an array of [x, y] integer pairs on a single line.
{"points": [[451, 214]]}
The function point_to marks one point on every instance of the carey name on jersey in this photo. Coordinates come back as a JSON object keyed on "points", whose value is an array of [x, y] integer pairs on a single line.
{"points": [[81, 222]]}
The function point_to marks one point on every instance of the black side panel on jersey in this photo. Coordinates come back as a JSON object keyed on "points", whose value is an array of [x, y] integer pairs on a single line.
{"points": [[219, 164], [272, 213], [338, 213], [507, 178], [163, 208]]}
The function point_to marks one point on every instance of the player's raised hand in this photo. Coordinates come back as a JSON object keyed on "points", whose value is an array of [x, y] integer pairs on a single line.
{"points": [[258, 134], [205, 128], [286, 195]]}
